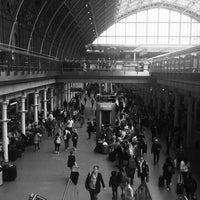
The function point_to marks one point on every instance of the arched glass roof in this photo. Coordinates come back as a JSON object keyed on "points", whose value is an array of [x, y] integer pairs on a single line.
{"points": [[189, 6], [157, 26]]}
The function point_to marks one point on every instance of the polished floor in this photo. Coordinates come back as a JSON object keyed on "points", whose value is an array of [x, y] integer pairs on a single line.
{"points": [[45, 172]]}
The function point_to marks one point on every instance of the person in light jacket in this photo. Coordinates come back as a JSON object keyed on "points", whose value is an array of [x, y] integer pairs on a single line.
{"points": [[93, 183]]}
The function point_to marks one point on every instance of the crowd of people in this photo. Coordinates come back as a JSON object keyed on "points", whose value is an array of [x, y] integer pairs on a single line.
{"points": [[125, 144]]}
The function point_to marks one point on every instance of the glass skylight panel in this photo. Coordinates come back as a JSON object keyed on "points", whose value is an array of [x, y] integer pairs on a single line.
{"points": [[174, 40], [130, 40], [185, 40], [163, 15], [152, 40], [174, 29], [163, 29], [185, 18], [110, 40], [153, 15], [153, 26], [120, 40], [174, 16], [185, 29], [131, 18], [120, 29], [142, 16], [153, 29], [111, 30], [163, 40], [130, 29], [141, 29], [195, 29]]}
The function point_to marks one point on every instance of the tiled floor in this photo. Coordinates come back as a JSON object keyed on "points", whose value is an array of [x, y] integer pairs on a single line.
{"points": [[45, 172]]}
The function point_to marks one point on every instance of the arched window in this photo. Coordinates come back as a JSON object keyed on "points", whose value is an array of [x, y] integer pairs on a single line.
{"points": [[157, 26]]}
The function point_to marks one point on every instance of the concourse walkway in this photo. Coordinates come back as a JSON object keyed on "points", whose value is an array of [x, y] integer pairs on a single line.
{"points": [[45, 172]]}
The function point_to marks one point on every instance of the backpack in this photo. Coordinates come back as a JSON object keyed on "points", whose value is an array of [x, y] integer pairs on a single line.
{"points": [[58, 140]]}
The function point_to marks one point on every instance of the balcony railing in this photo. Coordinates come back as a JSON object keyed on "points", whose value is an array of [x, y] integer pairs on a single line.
{"points": [[185, 61], [14, 59]]}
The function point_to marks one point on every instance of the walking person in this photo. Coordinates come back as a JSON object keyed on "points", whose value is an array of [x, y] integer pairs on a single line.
{"points": [[70, 124], [190, 187], [122, 180], [114, 183], [93, 183], [57, 142], [143, 170], [74, 138], [168, 171], [71, 160], [66, 138], [184, 169], [155, 149], [168, 143], [130, 168], [89, 128], [37, 138]]}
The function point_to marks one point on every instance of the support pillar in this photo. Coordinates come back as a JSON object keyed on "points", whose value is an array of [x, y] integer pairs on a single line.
{"points": [[189, 122], [65, 93], [36, 106], [5, 130], [154, 99], [195, 112], [158, 104], [106, 87], [134, 58], [166, 102], [23, 114], [51, 99], [176, 109], [39, 103], [68, 92], [100, 89], [45, 103]]}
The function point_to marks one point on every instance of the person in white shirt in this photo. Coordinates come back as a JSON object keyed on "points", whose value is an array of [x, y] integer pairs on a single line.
{"points": [[70, 124]]}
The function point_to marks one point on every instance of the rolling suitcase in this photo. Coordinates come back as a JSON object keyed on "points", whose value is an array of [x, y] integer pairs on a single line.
{"points": [[180, 185], [74, 174], [9, 172], [12, 154], [161, 181]]}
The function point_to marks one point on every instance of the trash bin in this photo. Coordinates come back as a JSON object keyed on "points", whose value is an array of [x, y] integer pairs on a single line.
{"points": [[1, 175]]}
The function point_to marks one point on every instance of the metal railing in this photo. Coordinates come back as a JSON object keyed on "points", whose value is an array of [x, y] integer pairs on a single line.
{"points": [[15, 59]]}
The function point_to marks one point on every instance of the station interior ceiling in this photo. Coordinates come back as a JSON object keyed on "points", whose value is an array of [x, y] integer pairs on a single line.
{"points": [[85, 20]]}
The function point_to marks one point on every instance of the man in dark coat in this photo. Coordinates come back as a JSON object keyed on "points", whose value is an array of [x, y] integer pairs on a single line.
{"points": [[93, 183], [155, 149], [190, 186]]}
